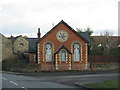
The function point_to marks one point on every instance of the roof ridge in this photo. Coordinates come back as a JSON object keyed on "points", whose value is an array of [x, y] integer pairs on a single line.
{"points": [[62, 46], [62, 21]]}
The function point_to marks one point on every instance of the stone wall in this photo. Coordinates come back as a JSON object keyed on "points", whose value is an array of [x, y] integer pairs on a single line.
{"points": [[106, 66], [20, 46], [12, 49], [6, 48]]}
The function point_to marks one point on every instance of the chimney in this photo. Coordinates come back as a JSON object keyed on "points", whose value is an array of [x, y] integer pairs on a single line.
{"points": [[38, 33], [11, 36]]}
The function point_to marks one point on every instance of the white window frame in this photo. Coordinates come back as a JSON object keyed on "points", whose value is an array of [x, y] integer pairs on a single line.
{"points": [[48, 52], [76, 48], [61, 57]]}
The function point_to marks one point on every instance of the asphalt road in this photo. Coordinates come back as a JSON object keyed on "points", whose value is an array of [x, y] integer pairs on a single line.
{"points": [[81, 79], [26, 82], [67, 81]]}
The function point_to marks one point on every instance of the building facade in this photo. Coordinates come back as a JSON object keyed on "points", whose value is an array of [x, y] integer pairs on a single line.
{"points": [[62, 48], [20, 45], [6, 48]]}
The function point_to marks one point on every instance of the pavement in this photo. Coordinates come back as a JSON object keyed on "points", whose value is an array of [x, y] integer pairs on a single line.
{"points": [[61, 73]]}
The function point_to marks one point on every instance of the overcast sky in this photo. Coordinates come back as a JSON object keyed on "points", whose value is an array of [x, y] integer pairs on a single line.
{"points": [[25, 16]]}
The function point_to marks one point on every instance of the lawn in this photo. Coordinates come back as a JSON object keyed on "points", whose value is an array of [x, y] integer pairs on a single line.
{"points": [[106, 84]]}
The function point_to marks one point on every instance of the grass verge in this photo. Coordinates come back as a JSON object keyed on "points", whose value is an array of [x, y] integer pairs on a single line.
{"points": [[106, 84]]}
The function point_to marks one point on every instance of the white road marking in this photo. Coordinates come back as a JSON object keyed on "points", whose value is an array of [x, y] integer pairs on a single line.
{"points": [[4, 78], [24, 88], [13, 82]]}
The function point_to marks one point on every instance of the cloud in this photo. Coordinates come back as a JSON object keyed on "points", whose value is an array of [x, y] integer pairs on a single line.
{"points": [[28, 15]]}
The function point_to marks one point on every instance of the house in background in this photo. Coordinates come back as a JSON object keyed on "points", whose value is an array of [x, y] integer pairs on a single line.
{"points": [[105, 45], [23, 48], [62, 48], [19, 45], [32, 51]]}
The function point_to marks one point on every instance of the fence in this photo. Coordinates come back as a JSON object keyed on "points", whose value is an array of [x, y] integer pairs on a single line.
{"points": [[103, 59], [103, 62]]}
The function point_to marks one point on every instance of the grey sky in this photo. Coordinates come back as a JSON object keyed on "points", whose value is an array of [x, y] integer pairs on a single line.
{"points": [[25, 16]]}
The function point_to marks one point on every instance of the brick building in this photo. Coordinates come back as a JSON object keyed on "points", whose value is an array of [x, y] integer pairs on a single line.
{"points": [[62, 48]]}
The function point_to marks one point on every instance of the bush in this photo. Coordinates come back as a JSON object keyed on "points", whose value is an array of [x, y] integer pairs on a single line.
{"points": [[18, 66]]}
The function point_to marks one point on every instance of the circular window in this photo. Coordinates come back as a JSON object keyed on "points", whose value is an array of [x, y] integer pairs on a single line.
{"points": [[62, 36], [21, 44]]}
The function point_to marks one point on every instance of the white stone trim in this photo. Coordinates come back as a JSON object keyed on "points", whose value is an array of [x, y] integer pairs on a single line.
{"points": [[86, 67], [38, 54], [56, 66], [81, 58], [70, 62]]}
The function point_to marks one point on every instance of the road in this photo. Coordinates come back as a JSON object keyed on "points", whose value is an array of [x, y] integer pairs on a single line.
{"points": [[82, 79], [27, 82]]}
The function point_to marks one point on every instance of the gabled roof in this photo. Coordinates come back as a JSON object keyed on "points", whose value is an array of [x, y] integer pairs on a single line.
{"points": [[62, 22], [62, 47], [32, 44], [85, 35], [113, 41], [14, 38]]}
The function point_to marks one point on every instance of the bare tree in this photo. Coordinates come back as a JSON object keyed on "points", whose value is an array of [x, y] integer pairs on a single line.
{"points": [[108, 41]]}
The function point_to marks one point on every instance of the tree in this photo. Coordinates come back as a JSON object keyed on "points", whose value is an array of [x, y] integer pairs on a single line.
{"points": [[79, 30], [108, 41], [88, 30]]}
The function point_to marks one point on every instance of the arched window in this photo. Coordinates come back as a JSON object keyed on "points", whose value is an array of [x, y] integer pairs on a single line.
{"points": [[76, 52], [48, 52], [63, 55]]}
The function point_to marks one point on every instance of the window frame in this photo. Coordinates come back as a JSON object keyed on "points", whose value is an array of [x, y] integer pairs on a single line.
{"points": [[48, 60], [61, 59], [79, 53]]}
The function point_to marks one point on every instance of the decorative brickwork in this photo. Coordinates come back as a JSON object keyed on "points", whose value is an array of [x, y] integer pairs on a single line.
{"points": [[56, 63]]}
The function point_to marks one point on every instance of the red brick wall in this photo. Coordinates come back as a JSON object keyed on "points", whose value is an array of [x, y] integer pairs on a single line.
{"points": [[63, 65], [72, 38]]}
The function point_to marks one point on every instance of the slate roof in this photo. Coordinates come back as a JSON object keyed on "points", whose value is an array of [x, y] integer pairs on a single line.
{"points": [[62, 47], [114, 41], [33, 41], [14, 38], [85, 35], [32, 44], [62, 22]]}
